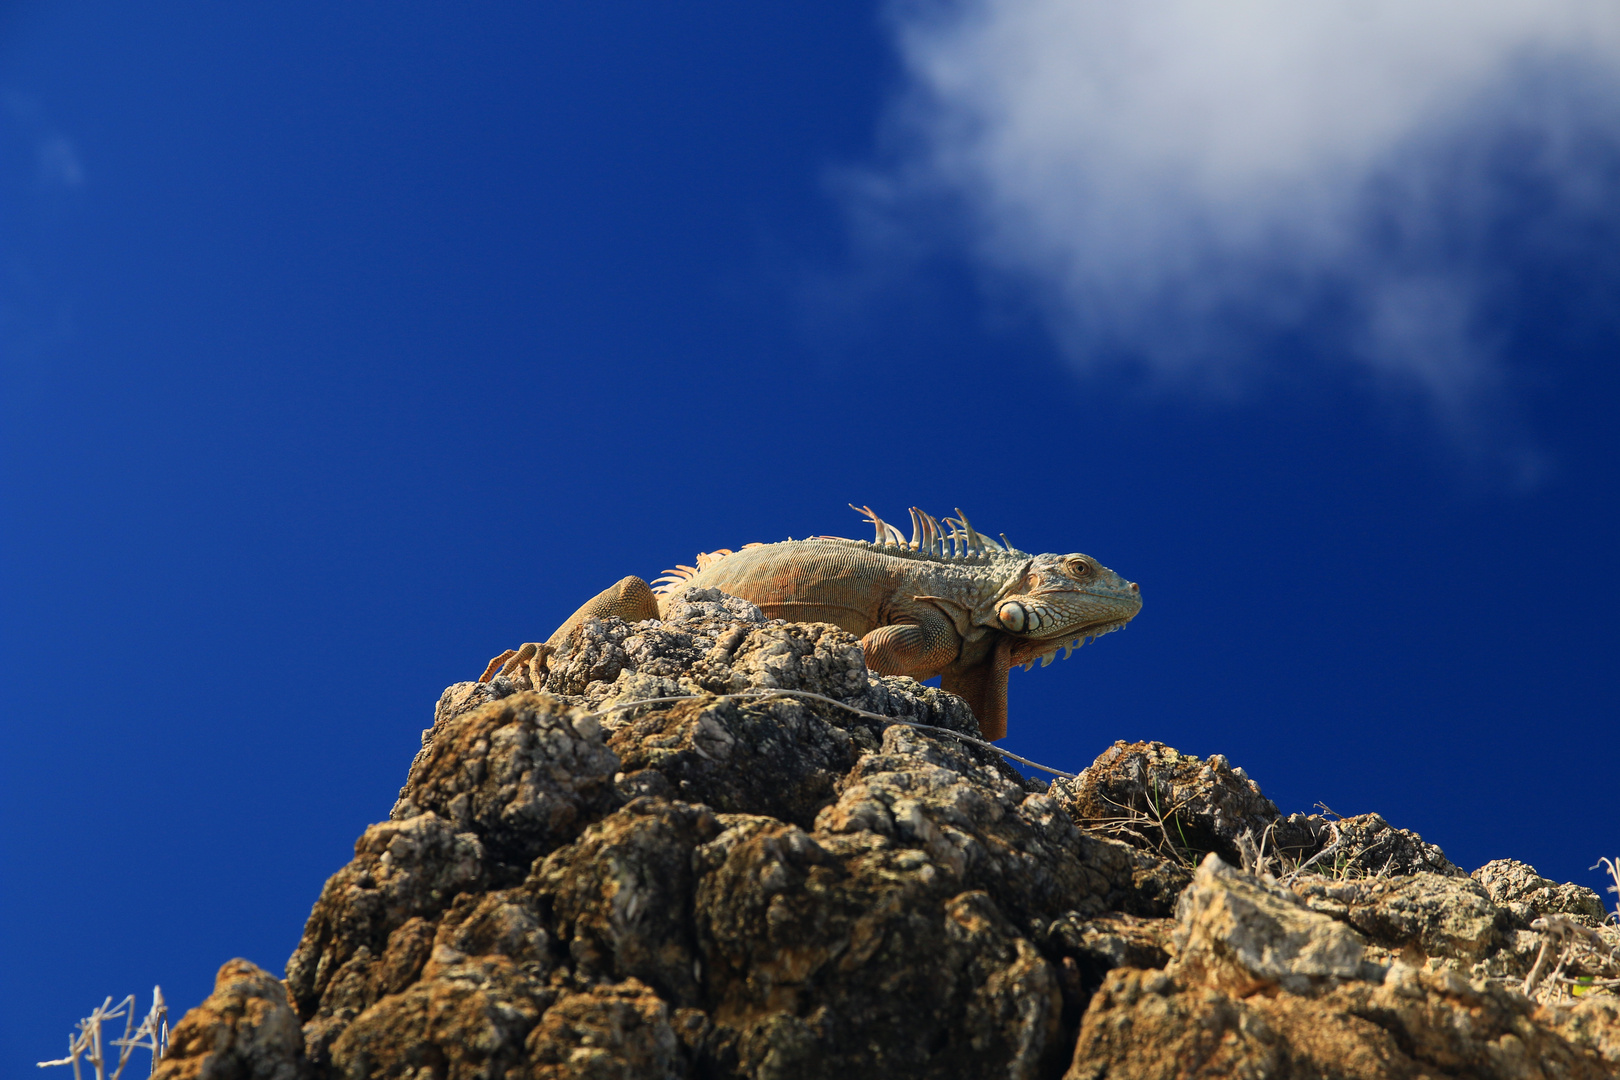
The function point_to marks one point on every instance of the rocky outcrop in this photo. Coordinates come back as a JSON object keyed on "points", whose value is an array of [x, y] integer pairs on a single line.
{"points": [[1184, 806], [1263, 985], [245, 1029], [662, 863]]}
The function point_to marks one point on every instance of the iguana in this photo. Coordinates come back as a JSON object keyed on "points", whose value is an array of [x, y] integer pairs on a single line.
{"points": [[949, 601]]}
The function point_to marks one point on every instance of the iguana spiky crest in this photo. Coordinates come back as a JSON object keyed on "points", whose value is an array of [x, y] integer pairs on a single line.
{"points": [[956, 542]]}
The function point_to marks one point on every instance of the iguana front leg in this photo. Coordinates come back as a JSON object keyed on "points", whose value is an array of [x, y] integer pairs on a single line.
{"points": [[920, 649], [630, 599]]}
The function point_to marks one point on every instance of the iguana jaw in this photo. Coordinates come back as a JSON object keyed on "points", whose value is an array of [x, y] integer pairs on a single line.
{"points": [[1024, 652], [1070, 597]]}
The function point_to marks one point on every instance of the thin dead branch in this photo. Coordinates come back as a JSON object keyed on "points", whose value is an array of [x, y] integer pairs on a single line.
{"points": [[1571, 942], [758, 693], [1332, 846], [1613, 867], [89, 1045]]}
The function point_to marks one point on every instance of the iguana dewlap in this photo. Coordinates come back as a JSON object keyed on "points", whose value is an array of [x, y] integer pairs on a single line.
{"points": [[948, 602]]}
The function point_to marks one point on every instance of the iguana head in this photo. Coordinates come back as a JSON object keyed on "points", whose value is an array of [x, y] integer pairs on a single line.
{"points": [[1043, 603], [1058, 602], [1049, 602]]}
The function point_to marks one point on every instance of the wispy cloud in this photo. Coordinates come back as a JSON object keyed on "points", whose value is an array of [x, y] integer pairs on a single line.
{"points": [[58, 163], [56, 160], [1179, 181], [41, 174]]}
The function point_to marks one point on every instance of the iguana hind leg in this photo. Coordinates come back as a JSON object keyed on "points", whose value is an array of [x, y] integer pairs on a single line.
{"points": [[509, 661], [630, 599]]}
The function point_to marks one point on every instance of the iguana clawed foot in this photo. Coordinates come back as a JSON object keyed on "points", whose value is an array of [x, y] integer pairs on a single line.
{"points": [[630, 599], [529, 660]]}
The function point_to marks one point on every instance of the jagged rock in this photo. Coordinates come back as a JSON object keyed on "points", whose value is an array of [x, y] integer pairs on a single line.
{"points": [[1591, 1024], [1087, 949], [1239, 934], [777, 757], [1525, 894], [507, 922], [1155, 882], [1414, 918], [1113, 940], [1146, 1025], [845, 955], [621, 896], [525, 773], [1262, 986], [579, 882], [1370, 845], [244, 1030], [1151, 795], [465, 1017], [981, 829], [1436, 921], [365, 934], [620, 1031]]}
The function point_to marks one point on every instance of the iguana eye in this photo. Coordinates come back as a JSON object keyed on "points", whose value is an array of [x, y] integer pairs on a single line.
{"points": [[1075, 567]]}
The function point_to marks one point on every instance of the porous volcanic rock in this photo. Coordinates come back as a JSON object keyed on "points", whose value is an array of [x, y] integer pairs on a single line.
{"points": [[245, 1029], [1151, 795], [1411, 1025], [1240, 934], [1526, 894], [659, 862]]}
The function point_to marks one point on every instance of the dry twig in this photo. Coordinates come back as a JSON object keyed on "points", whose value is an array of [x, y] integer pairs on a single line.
{"points": [[756, 693], [89, 1046], [1338, 838], [1613, 867], [1573, 941], [1130, 816]]}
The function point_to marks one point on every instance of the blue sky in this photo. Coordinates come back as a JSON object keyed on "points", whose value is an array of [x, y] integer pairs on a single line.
{"points": [[343, 346]]}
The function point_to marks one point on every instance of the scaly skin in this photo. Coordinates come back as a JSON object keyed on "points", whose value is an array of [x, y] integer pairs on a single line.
{"points": [[947, 603]]}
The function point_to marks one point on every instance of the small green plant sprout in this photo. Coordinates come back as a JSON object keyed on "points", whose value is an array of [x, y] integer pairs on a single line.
{"points": [[88, 1045]]}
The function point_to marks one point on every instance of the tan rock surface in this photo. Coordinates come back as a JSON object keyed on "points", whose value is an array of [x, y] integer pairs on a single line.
{"points": [[1238, 934], [1525, 894], [245, 1030], [1148, 1026], [1415, 917]]}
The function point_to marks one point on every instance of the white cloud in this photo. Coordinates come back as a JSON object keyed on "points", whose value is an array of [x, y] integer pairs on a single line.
{"points": [[56, 160], [1177, 179], [59, 163]]}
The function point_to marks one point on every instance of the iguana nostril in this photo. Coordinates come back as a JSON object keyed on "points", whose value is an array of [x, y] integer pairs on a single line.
{"points": [[1134, 588]]}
